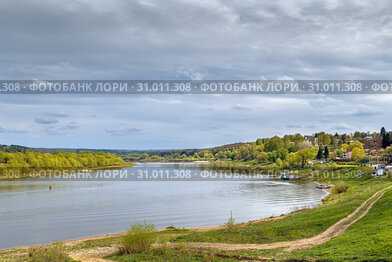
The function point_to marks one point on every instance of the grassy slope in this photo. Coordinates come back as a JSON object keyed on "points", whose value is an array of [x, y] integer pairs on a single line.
{"points": [[301, 224], [368, 239]]}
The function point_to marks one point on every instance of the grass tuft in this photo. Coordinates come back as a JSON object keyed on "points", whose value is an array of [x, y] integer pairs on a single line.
{"points": [[340, 187], [53, 253], [138, 239]]}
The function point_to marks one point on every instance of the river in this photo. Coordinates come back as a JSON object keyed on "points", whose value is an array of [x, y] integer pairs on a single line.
{"points": [[166, 194]]}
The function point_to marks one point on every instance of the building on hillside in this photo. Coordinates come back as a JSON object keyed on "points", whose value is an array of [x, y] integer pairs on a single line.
{"points": [[388, 157], [378, 172], [347, 155], [373, 152], [370, 143]]}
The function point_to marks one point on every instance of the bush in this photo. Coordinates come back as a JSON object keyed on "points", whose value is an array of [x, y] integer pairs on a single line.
{"points": [[138, 239], [53, 253], [340, 187], [334, 166], [231, 222]]}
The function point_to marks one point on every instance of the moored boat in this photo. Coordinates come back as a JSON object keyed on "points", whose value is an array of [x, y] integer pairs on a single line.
{"points": [[321, 186]]}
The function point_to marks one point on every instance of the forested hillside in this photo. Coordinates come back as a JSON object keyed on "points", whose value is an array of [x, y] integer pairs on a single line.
{"points": [[15, 149], [58, 160]]}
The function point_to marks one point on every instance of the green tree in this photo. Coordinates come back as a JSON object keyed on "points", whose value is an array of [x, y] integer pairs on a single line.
{"points": [[320, 153], [386, 140], [326, 153], [355, 145], [274, 143], [357, 153], [382, 132], [278, 162]]}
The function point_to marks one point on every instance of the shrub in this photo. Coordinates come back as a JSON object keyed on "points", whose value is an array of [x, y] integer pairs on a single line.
{"points": [[231, 222], [53, 253], [138, 239], [340, 187], [334, 166]]}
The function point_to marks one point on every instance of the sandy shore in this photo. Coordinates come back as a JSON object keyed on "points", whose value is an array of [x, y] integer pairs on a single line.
{"points": [[77, 241]]}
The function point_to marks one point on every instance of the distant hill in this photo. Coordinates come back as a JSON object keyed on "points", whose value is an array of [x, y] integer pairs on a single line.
{"points": [[15, 149], [74, 150], [160, 152]]}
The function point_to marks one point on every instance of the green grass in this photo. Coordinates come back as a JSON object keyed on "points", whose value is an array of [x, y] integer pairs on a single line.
{"points": [[368, 239], [162, 237], [300, 224], [173, 255], [138, 239]]}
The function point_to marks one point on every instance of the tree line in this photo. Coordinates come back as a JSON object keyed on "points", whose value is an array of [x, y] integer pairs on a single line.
{"points": [[287, 151], [58, 160]]}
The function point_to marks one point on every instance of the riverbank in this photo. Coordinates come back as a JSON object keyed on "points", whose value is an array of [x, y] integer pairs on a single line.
{"points": [[74, 242]]}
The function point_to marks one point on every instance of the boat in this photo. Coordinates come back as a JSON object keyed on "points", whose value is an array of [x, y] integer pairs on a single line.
{"points": [[285, 177], [321, 186]]}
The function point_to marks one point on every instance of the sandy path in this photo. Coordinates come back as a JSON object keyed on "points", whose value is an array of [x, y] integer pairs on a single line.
{"points": [[92, 255], [335, 230]]}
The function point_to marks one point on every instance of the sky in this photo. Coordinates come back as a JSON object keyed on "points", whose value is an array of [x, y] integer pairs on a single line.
{"points": [[197, 40]]}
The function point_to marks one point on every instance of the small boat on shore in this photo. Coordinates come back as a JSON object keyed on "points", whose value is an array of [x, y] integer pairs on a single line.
{"points": [[285, 177], [321, 186]]}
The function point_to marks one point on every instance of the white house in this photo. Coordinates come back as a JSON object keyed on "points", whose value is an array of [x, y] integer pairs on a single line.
{"points": [[347, 155], [378, 172]]}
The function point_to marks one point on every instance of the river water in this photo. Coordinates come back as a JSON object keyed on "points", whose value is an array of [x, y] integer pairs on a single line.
{"points": [[177, 194]]}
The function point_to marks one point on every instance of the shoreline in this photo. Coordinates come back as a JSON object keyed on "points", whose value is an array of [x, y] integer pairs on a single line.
{"points": [[72, 242], [76, 241]]}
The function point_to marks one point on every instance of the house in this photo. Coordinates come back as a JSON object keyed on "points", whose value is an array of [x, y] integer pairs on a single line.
{"points": [[347, 155], [309, 141], [388, 157], [378, 172], [369, 142], [373, 152], [375, 167]]}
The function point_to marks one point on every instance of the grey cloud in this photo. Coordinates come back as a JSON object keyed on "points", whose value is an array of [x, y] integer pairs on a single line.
{"points": [[57, 114], [357, 112], [45, 121], [196, 39], [6, 130], [342, 127], [124, 132], [175, 39], [71, 125], [294, 126]]}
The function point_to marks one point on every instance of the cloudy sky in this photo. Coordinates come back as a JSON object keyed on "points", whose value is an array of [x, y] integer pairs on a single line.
{"points": [[190, 39]]}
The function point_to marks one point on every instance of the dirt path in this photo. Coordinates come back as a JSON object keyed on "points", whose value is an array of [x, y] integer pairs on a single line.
{"points": [[335, 230], [93, 255]]}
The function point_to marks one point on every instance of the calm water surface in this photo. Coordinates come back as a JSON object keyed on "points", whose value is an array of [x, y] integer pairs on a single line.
{"points": [[30, 213]]}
